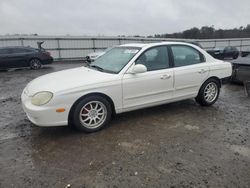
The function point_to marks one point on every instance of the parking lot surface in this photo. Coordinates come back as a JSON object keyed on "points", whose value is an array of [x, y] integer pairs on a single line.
{"points": [[175, 145]]}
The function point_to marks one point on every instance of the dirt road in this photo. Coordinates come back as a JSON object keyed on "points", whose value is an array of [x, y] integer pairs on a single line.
{"points": [[175, 145]]}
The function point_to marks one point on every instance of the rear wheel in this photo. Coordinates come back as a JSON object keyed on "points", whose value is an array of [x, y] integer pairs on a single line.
{"points": [[91, 114], [235, 56], [35, 64], [209, 92]]}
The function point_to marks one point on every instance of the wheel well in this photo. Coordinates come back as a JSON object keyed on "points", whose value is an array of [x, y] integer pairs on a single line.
{"points": [[216, 78], [91, 94], [213, 77], [34, 58]]}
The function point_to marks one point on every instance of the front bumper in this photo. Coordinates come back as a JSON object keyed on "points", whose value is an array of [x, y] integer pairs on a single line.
{"points": [[45, 116]]}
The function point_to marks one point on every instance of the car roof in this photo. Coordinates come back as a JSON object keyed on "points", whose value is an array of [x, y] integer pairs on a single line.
{"points": [[139, 45], [146, 45], [20, 47]]}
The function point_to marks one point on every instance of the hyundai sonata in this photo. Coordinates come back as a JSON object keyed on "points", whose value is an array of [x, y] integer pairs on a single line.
{"points": [[127, 77]]}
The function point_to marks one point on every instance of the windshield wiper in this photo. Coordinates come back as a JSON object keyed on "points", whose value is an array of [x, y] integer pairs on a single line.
{"points": [[97, 67], [101, 69]]}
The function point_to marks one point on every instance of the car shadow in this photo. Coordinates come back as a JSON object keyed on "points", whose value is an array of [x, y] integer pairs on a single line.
{"points": [[129, 120]]}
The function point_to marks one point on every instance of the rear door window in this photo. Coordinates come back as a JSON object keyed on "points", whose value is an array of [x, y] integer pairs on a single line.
{"points": [[185, 55]]}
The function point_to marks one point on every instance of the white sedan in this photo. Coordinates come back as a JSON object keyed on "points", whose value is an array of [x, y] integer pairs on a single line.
{"points": [[128, 77]]}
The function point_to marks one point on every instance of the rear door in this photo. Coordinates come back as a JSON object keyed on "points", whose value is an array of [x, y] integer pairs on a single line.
{"points": [[190, 71]]}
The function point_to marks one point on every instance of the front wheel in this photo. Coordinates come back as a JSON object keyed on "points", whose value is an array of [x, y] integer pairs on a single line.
{"points": [[209, 92], [91, 114]]}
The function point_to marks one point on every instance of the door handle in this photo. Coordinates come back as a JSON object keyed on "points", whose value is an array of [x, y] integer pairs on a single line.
{"points": [[202, 71], [166, 76]]}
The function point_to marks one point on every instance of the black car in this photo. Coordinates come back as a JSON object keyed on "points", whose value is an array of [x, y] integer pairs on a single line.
{"points": [[241, 69], [223, 53], [245, 53], [14, 57], [241, 72]]}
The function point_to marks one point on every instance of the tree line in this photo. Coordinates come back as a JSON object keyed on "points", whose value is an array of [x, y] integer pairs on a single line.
{"points": [[209, 32]]}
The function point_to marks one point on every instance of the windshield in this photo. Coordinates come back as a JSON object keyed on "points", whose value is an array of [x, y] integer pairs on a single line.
{"points": [[115, 59]]}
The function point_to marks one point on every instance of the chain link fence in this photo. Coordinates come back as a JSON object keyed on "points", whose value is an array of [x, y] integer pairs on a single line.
{"points": [[76, 48]]}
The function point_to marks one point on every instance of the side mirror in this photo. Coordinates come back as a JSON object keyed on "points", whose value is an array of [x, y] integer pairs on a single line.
{"points": [[139, 68]]}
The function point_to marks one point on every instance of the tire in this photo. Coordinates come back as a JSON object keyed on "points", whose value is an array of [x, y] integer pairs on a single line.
{"points": [[85, 116], [208, 93], [35, 64], [235, 56]]}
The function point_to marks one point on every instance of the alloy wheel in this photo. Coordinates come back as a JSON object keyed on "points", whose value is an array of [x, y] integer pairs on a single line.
{"points": [[211, 92], [93, 114], [35, 64]]}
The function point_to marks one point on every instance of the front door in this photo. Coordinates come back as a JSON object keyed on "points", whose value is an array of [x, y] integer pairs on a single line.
{"points": [[4, 58], [18, 57], [152, 87]]}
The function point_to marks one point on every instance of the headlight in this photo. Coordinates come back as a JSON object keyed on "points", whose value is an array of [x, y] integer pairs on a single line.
{"points": [[41, 98]]}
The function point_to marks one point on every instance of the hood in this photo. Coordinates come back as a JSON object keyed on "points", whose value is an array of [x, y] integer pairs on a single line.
{"points": [[67, 79]]}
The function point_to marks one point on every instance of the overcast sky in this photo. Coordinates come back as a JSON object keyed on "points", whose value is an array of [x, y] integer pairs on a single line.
{"points": [[118, 17]]}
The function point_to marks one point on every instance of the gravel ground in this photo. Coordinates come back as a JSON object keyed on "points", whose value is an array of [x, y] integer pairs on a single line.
{"points": [[176, 145]]}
